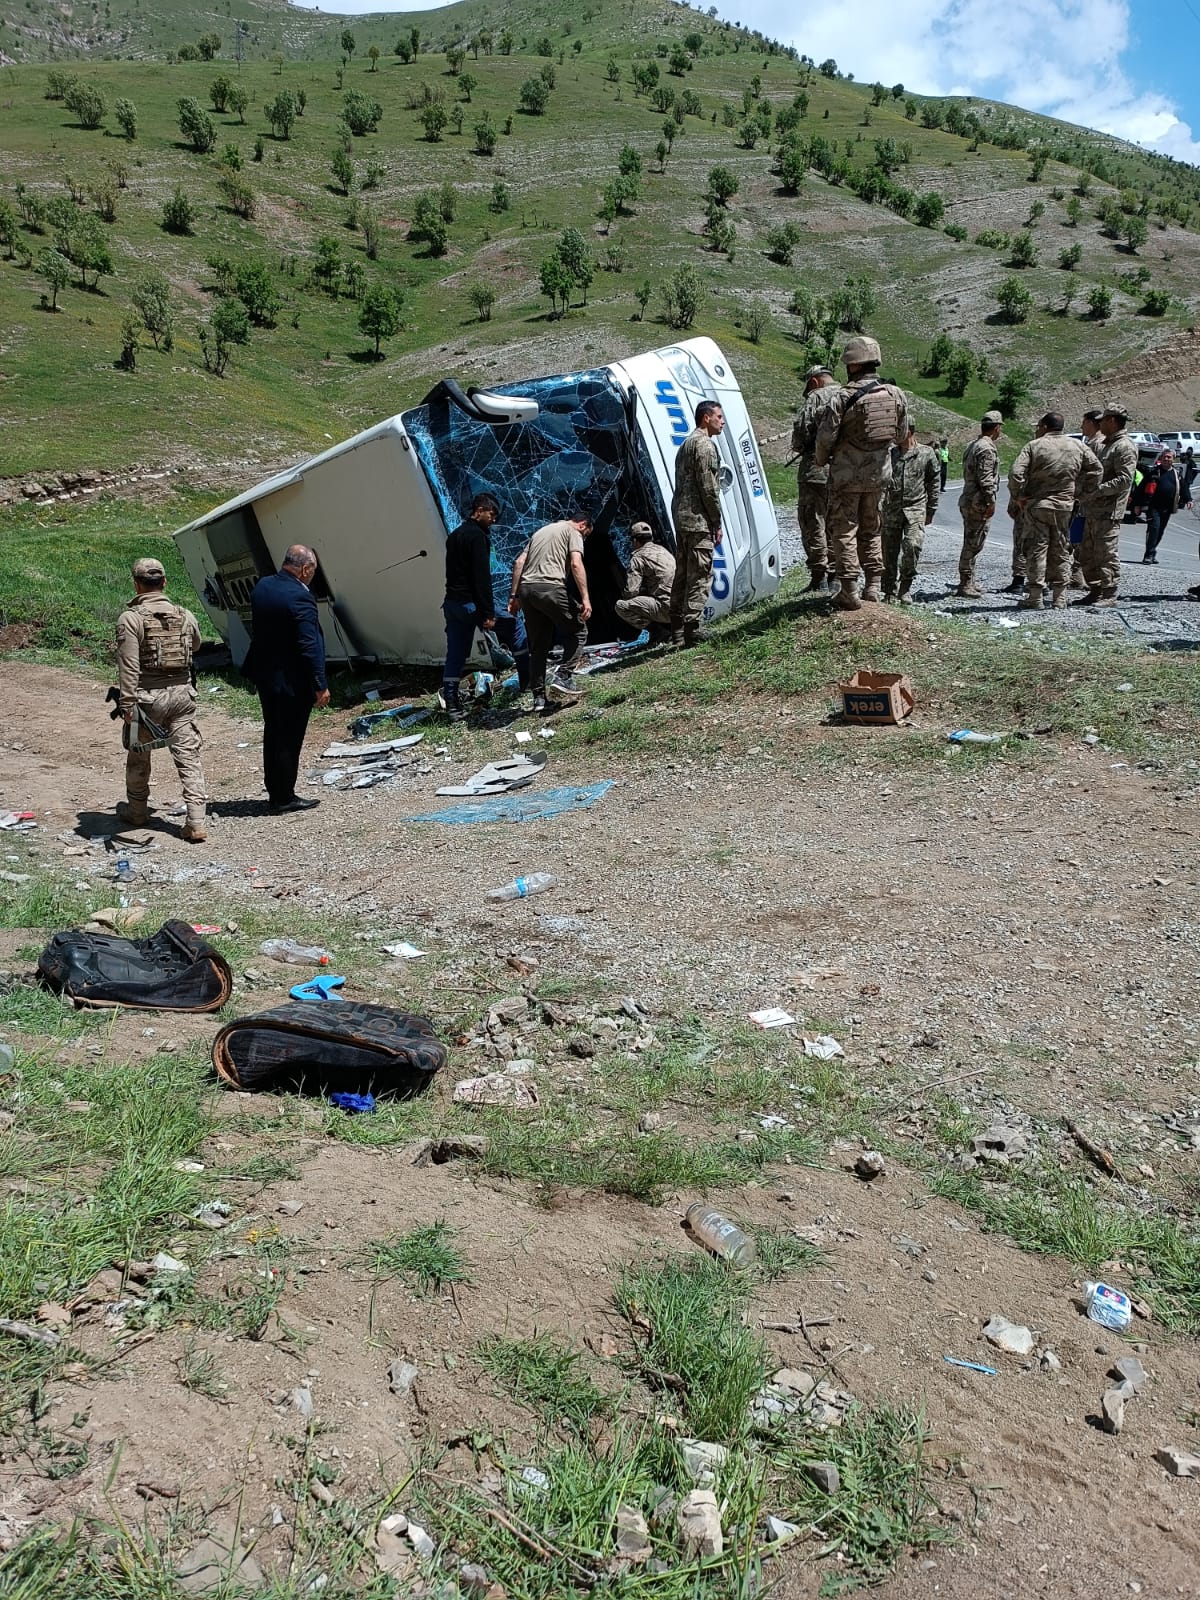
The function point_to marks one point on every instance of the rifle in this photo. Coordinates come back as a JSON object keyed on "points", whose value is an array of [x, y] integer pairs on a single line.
{"points": [[149, 736]]}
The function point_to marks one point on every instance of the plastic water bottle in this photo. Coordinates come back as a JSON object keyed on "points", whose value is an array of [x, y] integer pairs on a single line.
{"points": [[722, 1237], [519, 888], [296, 954], [126, 871], [1110, 1307]]}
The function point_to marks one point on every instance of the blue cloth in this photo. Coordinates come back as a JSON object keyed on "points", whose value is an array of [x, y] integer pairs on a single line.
{"points": [[351, 1103], [287, 652], [521, 807]]}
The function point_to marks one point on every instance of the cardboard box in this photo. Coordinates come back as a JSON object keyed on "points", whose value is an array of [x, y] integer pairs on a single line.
{"points": [[877, 698]]}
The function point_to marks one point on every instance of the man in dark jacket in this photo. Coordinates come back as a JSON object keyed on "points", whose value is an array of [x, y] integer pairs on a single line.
{"points": [[468, 604], [1166, 491], [287, 663]]}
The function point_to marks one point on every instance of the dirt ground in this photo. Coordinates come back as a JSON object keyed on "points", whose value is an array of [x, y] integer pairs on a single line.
{"points": [[1026, 932]]}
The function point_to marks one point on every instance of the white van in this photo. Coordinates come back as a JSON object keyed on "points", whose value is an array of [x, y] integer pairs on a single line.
{"points": [[1179, 442], [377, 507]]}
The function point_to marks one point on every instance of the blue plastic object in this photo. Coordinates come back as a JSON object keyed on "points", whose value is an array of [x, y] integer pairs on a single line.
{"points": [[522, 807], [320, 988], [352, 1103]]}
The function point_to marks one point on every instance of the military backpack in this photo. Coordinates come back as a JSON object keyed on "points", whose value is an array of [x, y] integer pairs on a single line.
{"points": [[871, 417], [165, 644]]}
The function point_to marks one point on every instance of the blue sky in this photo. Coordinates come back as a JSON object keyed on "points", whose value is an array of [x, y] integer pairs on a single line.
{"points": [[1129, 67]]}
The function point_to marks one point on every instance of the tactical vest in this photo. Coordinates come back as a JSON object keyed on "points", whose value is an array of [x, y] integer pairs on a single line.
{"points": [[871, 418], [165, 645]]}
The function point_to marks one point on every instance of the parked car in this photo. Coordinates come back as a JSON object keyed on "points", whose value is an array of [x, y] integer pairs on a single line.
{"points": [[1179, 442]]}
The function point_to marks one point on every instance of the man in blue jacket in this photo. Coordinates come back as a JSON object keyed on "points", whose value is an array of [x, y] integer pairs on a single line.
{"points": [[287, 663]]}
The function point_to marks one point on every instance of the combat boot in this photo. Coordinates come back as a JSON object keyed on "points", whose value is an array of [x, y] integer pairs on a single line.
{"points": [[694, 636], [904, 597], [1088, 599], [889, 597], [1017, 586], [871, 591], [1032, 600], [134, 813], [846, 598], [1059, 597], [195, 828], [969, 590], [1107, 598], [818, 577], [452, 695]]}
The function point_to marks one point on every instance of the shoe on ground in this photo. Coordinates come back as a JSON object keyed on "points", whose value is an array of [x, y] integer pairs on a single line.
{"points": [[694, 636], [905, 599], [871, 594], [1153, 561], [1193, 594], [298, 802], [1147, 561], [1088, 599], [846, 598], [1106, 602], [1059, 602], [889, 597], [818, 578], [1030, 603], [660, 635], [133, 813], [194, 832], [969, 591], [1017, 586]]}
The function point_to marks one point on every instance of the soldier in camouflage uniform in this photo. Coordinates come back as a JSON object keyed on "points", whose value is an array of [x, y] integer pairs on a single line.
{"points": [[155, 643], [909, 503], [1049, 474], [1104, 509], [812, 482], [1017, 586], [696, 513], [862, 422], [977, 502]]}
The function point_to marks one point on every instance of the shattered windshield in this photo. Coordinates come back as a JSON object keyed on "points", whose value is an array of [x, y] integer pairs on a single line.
{"points": [[581, 451]]}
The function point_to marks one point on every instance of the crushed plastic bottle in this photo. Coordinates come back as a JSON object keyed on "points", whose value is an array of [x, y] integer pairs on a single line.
{"points": [[295, 954], [520, 888], [722, 1237], [126, 871], [1110, 1307]]}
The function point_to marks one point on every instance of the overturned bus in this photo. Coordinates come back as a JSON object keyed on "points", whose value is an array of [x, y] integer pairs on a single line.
{"points": [[377, 508]]}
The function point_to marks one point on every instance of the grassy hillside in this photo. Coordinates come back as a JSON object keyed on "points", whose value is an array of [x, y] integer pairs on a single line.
{"points": [[66, 403]]}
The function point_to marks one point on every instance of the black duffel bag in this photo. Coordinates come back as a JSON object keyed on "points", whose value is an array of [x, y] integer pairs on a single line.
{"points": [[172, 970], [330, 1047]]}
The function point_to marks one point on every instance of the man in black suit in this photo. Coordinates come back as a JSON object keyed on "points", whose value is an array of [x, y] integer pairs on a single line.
{"points": [[287, 663]]}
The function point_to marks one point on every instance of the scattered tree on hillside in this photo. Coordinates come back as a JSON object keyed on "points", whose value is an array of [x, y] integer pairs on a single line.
{"points": [[1015, 386], [208, 46], [56, 270], [9, 228], [1014, 299], [91, 252], [506, 42], [1135, 233], [349, 44], [433, 120], [500, 200], [1024, 251], [281, 114], [467, 85], [782, 240], [1156, 304], [177, 213], [328, 266], [1074, 211], [483, 297], [239, 196], [257, 292], [1100, 303], [429, 224], [556, 284], [455, 57], [485, 136], [374, 53], [960, 369], [126, 114], [681, 297], [643, 294], [354, 276], [722, 185], [87, 104], [929, 209], [360, 113], [152, 301], [218, 93], [534, 96], [613, 71], [576, 256], [227, 325], [679, 62], [1070, 258], [237, 100], [196, 125], [343, 169]]}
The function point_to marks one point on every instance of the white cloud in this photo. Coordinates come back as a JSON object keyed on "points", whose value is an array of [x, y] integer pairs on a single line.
{"points": [[1059, 57]]}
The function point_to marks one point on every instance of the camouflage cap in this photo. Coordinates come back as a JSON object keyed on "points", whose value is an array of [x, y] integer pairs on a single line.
{"points": [[991, 419], [817, 372], [148, 569], [1113, 408], [641, 530]]}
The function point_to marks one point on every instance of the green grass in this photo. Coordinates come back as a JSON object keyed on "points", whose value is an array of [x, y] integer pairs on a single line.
{"points": [[47, 903], [694, 1345], [1045, 1211], [781, 1253], [427, 1257], [884, 1507], [549, 1377]]}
